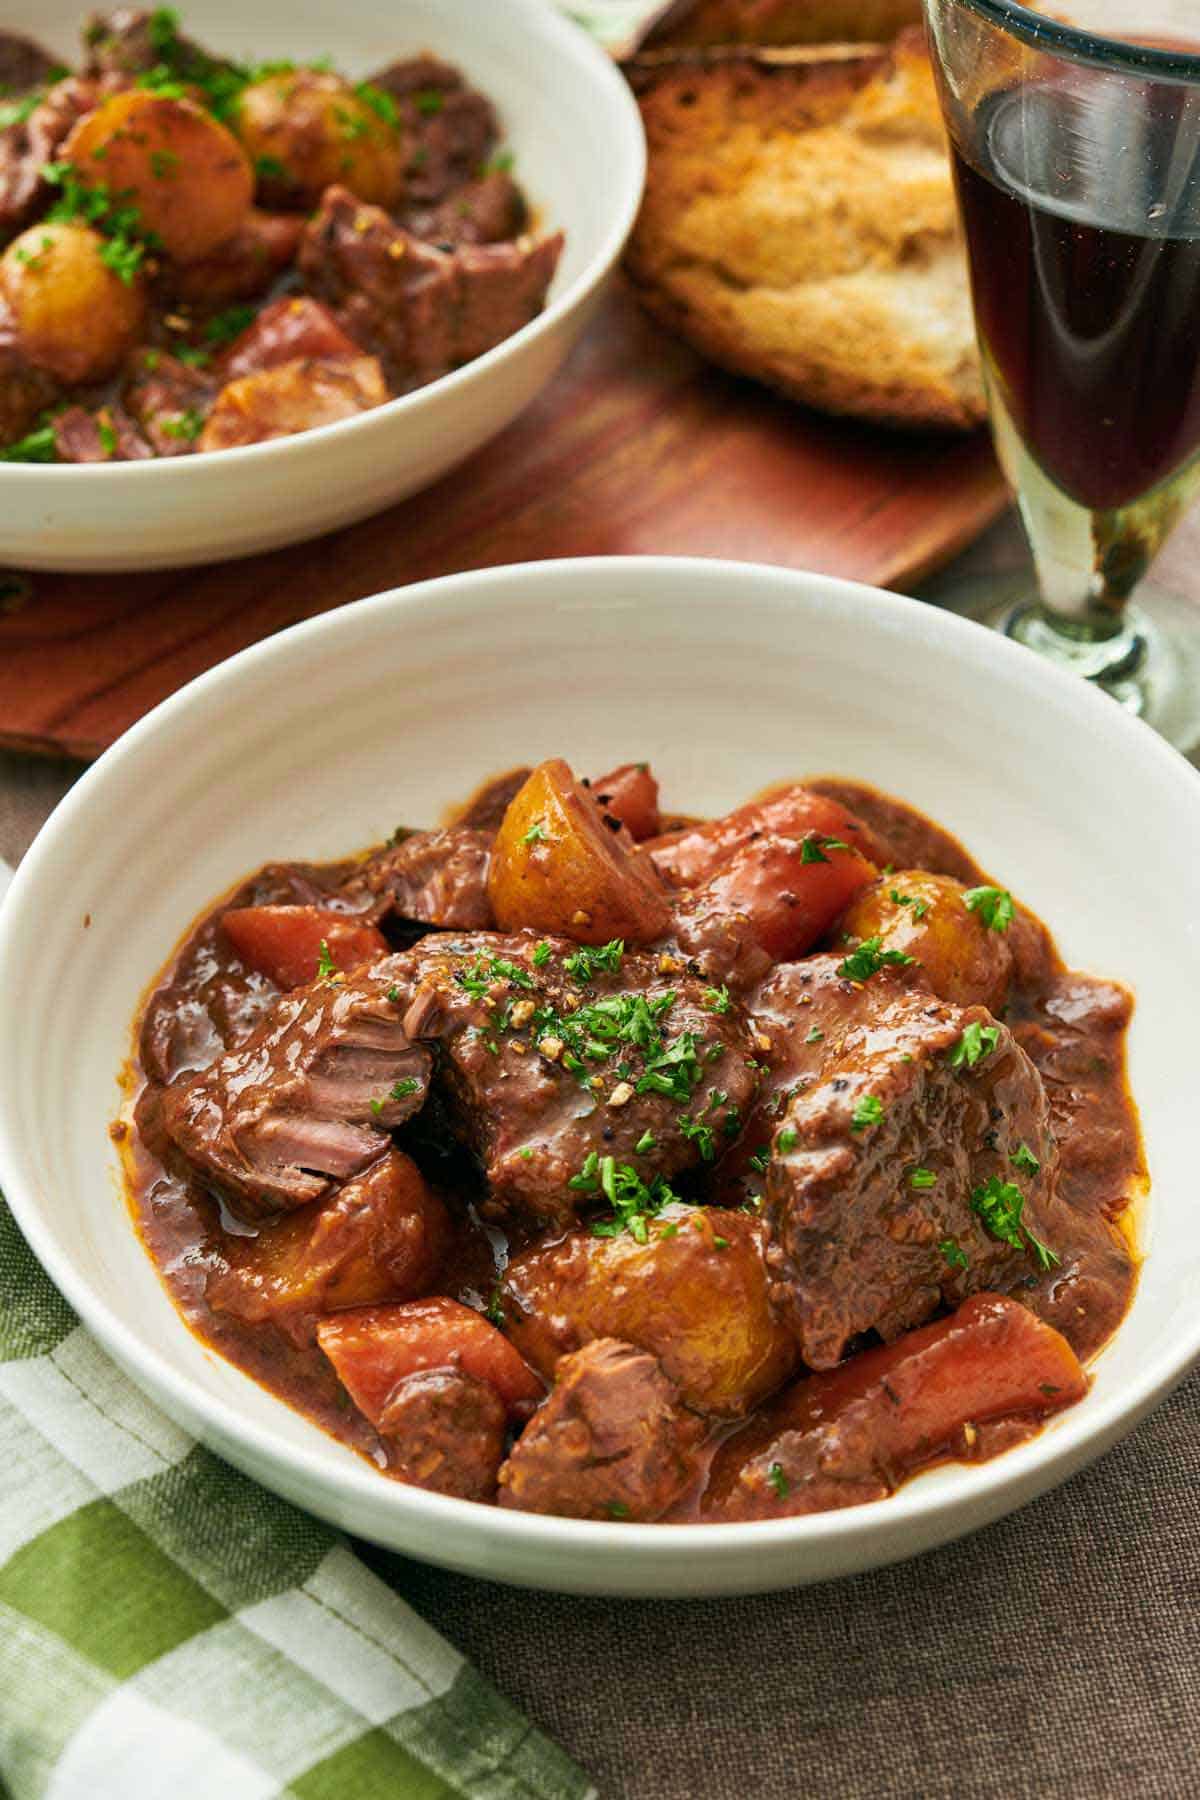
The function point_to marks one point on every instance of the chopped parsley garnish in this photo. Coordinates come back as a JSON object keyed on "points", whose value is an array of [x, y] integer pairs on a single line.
{"points": [[326, 967], [223, 327], [779, 1481], [720, 1243], [537, 833], [400, 1091], [107, 436], [919, 907], [269, 168], [1000, 1204], [787, 1139], [541, 954], [500, 164], [674, 1071], [814, 1036], [632, 1200], [163, 163], [761, 1158], [717, 999], [380, 101], [584, 964], [953, 1253], [646, 1142], [993, 905], [126, 241], [493, 1310], [477, 978], [701, 1135], [429, 102], [39, 446], [869, 958], [192, 356], [922, 1178], [867, 1113], [186, 425], [812, 849], [976, 1042], [617, 1509], [1023, 1158]]}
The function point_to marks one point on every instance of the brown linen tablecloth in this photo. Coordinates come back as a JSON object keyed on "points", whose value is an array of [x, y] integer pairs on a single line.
{"points": [[1053, 1654]]}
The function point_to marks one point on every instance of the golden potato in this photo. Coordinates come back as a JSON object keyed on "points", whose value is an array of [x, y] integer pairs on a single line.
{"points": [[926, 917], [306, 129], [556, 867], [74, 315], [187, 176], [695, 1293]]}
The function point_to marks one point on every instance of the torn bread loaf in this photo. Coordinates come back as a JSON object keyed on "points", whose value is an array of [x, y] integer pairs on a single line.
{"points": [[698, 23], [799, 226]]}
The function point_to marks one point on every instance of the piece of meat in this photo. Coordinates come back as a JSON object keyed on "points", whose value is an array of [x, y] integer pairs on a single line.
{"points": [[491, 210], [130, 41], [106, 435], [444, 1430], [305, 1101], [383, 1236], [24, 65], [25, 390], [611, 1441], [288, 330], [450, 129], [856, 1244], [966, 1387], [432, 877], [421, 310], [693, 1292], [35, 139], [576, 1079], [167, 400], [292, 397], [244, 266]]}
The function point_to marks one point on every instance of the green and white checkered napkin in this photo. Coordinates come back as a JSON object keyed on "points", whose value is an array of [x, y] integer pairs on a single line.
{"points": [[170, 1631]]}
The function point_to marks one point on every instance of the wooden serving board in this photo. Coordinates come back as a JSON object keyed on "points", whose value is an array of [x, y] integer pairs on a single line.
{"points": [[638, 446]]}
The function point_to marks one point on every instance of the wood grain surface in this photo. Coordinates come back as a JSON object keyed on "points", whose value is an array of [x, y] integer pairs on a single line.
{"points": [[637, 447]]}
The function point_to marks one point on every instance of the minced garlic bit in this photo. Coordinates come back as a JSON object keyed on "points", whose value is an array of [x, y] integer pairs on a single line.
{"points": [[551, 1048], [522, 1012], [970, 1435], [622, 1094], [669, 965], [762, 1041], [581, 918]]}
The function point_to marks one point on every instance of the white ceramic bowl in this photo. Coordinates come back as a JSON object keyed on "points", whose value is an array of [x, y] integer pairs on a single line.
{"points": [[322, 739], [580, 154]]}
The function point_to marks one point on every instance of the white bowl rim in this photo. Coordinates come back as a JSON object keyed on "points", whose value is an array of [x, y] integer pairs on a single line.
{"points": [[1049, 1455], [546, 18]]}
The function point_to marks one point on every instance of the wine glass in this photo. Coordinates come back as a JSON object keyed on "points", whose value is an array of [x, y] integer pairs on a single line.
{"points": [[1076, 152]]}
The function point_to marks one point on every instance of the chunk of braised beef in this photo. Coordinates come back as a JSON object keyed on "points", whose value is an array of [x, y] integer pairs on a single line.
{"points": [[105, 435], [132, 41], [488, 211], [444, 1430], [244, 266], [168, 400], [306, 1101], [24, 65], [610, 1442], [917, 1109], [34, 140], [450, 129], [421, 310], [576, 1077], [430, 877]]}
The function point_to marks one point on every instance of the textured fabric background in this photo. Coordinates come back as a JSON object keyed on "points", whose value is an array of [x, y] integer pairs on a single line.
{"points": [[1055, 1654]]}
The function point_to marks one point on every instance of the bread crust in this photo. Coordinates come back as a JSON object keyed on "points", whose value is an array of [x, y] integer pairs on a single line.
{"points": [[799, 226], [773, 22]]}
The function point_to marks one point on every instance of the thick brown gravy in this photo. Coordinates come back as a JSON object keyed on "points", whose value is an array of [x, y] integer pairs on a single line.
{"points": [[1072, 1026]]}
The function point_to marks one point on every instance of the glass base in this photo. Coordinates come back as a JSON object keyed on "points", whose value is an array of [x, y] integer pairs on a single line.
{"points": [[1152, 669]]}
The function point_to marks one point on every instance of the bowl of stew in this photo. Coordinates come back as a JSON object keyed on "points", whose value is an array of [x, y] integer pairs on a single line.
{"points": [[262, 277], [632, 1076]]}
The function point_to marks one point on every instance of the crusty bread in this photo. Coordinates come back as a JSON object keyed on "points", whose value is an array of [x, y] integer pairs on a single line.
{"points": [[799, 226], [775, 22]]}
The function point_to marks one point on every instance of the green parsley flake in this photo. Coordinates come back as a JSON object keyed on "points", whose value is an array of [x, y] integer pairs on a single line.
{"points": [[1000, 1204], [541, 954], [537, 833], [40, 446], [869, 958], [717, 999], [812, 849], [953, 1253], [1023, 1158], [429, 102], [223, 327], [779, 1481], [326, 967], [922, 1178], [494, 1310], [867, 1113], [919, 907], [814, 1036], [787, 1139], [976, 1042], [993, 905], [632, 1200], [584, 964]]}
